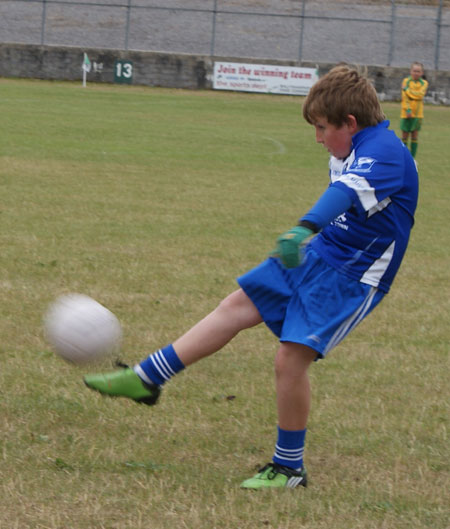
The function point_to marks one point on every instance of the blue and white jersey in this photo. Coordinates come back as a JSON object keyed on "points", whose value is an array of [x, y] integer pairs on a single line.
{"points": [[368, 241]]}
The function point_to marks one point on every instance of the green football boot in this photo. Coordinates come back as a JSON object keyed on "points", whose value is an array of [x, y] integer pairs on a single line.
{"points": [[124, 383], [274, 475]]}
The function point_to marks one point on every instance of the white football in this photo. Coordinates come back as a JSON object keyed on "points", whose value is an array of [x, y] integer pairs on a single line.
{"points": [[81, 330]]}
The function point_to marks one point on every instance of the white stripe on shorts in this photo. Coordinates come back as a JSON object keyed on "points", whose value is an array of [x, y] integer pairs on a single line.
{"points": [[351, 322]]}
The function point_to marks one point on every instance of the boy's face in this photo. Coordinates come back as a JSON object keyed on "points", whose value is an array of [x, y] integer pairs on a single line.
{"points": [[416, 72], [337, 140]]}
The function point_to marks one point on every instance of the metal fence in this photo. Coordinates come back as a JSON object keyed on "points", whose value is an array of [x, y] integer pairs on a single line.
{"points": [[387, 33]]}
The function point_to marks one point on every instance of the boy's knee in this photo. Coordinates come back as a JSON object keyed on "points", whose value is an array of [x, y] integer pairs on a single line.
{"points": [[239, 307], [231, 303], [292, 356]]}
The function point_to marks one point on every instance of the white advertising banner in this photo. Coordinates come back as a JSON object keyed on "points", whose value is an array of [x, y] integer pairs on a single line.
{"points": [[264, 78]]}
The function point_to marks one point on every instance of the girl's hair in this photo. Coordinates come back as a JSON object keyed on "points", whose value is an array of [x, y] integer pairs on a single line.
{"points": [[343, 91]]}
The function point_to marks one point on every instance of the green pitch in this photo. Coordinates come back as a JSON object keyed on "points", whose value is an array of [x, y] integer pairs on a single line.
{"points": [[152, 201]]}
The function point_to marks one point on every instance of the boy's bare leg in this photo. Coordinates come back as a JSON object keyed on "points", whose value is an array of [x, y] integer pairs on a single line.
{"points": [[293, 402], [292, 383], [235, 313]]}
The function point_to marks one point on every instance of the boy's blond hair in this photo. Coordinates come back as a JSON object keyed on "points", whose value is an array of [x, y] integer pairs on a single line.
{"points": [[415, 63], [343, 91]]}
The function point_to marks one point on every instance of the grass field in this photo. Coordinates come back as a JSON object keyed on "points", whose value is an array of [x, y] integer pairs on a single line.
{"points": [[152, 201]]}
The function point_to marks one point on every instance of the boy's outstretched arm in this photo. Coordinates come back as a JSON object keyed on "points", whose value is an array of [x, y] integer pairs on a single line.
{"points": [[330, 205]]}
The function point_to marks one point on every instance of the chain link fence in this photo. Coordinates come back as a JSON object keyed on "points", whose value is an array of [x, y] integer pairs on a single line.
{"points": [[385, 33]]}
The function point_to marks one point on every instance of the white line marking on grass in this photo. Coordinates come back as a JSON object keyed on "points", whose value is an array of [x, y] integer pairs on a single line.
{"points": [[280, 148]]}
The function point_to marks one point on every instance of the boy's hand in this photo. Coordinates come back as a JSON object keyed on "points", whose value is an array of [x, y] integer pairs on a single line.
{"points": [[288, 245]]}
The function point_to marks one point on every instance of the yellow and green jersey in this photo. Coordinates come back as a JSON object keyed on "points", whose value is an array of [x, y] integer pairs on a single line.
{"points": [[413, 93]]}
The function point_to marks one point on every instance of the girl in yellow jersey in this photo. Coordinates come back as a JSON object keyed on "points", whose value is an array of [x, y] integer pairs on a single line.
{"points": [[414, 88]]}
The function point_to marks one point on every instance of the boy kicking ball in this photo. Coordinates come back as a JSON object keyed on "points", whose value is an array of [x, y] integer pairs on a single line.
{"points": [[324, 277]]}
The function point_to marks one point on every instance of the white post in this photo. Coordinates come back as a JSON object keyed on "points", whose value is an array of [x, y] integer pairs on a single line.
{"points": [[86, 67]]}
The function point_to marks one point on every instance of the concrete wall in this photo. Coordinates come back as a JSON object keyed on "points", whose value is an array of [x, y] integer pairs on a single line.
{"points": [[174, 70]]}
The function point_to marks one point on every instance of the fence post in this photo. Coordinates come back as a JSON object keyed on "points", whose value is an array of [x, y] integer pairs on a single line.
{"points": [[44, 16], [127, 25], [438, 36], [392, 38], [302, 26], [213, 34]]}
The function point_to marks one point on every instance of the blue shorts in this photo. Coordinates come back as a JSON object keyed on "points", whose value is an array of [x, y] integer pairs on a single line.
{"points": [[312, 304]]}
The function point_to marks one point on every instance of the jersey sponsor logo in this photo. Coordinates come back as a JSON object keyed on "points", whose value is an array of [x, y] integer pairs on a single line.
{"points": [[341, 222], [363, 164]]}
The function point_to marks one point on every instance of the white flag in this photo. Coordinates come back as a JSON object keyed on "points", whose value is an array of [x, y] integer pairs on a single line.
{"points": [[86, 66]]}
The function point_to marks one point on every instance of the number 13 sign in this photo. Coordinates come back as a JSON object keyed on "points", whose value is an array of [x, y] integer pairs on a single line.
{"points": [[123, 72]]}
